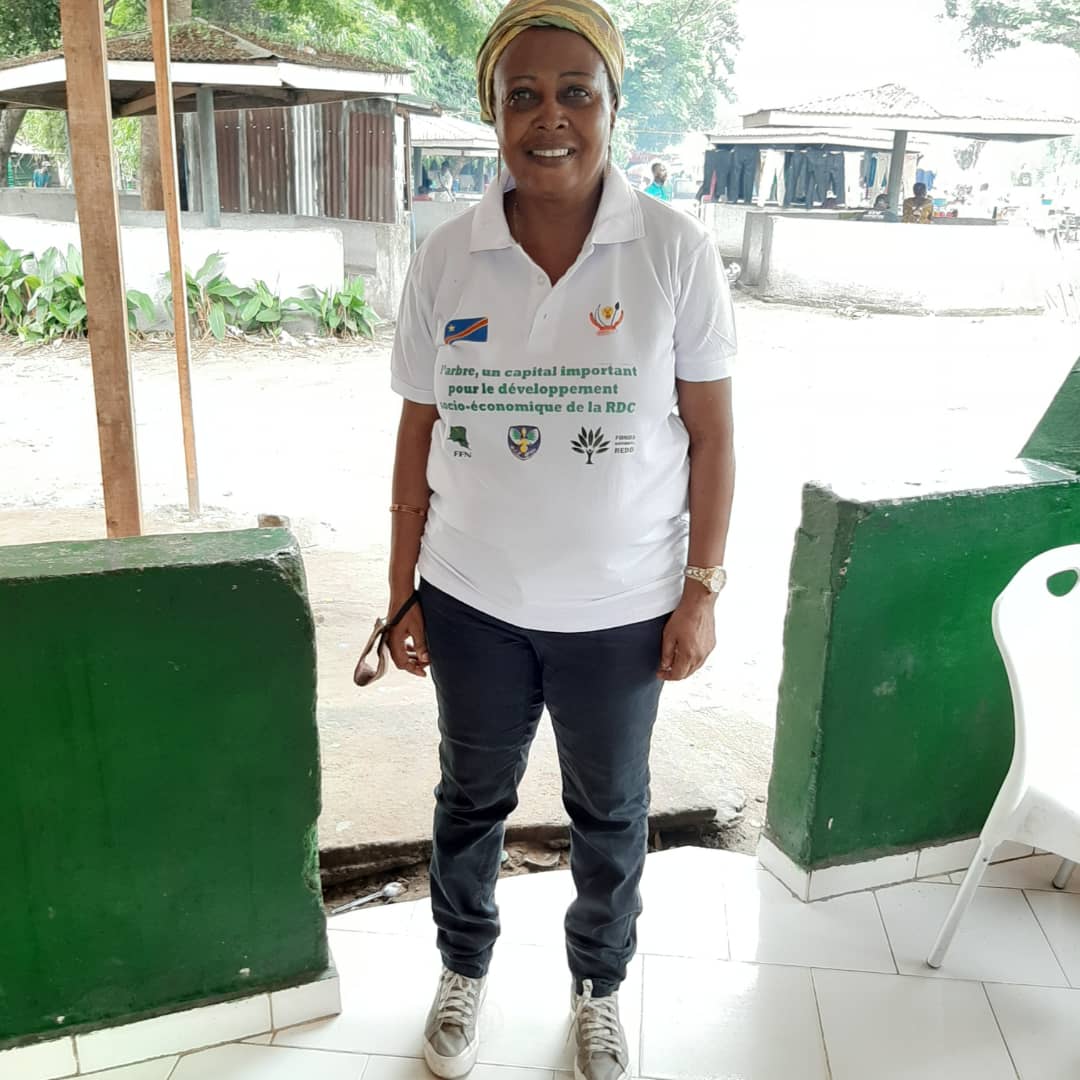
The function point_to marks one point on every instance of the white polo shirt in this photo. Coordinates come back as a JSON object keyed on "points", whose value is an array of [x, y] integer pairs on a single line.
{"points": [[558, 466]]}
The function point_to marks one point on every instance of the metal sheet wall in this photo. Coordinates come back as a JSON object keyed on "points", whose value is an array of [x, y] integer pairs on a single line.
{"points": [[269, 165], [330, 167], [333, 160], [305, 142], [370, 170], [227, 125]]}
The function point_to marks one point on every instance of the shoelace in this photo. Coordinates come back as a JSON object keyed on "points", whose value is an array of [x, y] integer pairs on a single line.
{"points": [[597, 1023], [458, 996]]}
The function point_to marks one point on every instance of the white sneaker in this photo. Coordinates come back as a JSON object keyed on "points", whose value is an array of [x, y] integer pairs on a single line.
{"points": [[602, 1053], [452, 1034]]}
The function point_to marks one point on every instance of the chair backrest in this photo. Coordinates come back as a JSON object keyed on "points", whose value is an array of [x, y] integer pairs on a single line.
{"points": [[1038, 634]]}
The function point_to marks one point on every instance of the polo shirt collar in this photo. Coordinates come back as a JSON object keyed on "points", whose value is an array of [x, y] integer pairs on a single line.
{"points": [[618, 218]]}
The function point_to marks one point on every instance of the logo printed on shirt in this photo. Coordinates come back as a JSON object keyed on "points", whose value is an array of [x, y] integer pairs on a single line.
{"points": [[607, 318], [590, 443], [459, 436], [523, 441], [466, 330]]}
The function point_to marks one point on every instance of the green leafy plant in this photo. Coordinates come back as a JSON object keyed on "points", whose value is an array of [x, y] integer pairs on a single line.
{"points": [[14, 293], [139, 303], [43, 297], [211, 297], [259, 308], [343, 312], [590, 443], [56, 306]]}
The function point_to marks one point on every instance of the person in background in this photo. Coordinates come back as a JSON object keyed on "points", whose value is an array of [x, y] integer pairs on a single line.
{"points": [[446, 178], [658, 189], [919, 210], [443, 188], [880, 211], [41, 175]]}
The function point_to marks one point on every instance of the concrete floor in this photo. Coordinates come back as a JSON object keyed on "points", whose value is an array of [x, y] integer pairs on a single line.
{"points": [[308, 432]]}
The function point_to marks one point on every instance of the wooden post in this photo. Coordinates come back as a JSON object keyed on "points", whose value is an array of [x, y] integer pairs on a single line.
{"points": [[90, 121], [170, 187], [896, 170], [211, 193]]}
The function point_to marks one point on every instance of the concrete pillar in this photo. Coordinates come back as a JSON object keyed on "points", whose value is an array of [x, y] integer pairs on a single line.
{"points": [[896, 170], [1057, 437], [211, 194]]}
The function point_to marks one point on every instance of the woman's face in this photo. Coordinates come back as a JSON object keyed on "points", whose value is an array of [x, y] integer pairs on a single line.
{"points": [[553, 113]]}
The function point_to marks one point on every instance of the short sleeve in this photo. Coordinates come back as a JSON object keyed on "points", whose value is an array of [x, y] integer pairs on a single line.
{"points": [[412, 363], [704, 321]]}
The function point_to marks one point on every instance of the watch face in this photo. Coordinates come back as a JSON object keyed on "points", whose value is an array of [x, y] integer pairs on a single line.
{"points": [[717, 579]]}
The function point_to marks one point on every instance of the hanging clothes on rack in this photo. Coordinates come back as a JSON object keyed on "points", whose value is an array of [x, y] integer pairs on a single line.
{"points": [[717, 166], [852, 194], [771, 185], [811, 175], [743, 175], [879, 173], [833, 172]]}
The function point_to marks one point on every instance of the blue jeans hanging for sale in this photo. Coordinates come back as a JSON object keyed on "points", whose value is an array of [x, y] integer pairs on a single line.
{"points": [[492, 681]]}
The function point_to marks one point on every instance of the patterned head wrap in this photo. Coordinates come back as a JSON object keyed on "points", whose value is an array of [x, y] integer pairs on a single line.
{"points": [[584, 17]]}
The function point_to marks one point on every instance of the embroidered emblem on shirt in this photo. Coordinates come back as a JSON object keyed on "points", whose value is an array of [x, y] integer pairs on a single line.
{"points": [[523, 441], [607, 318], [466, 330], [590, 443]]}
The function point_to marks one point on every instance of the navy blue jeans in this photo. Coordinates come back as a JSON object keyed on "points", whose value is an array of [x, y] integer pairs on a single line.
{"points": [[492, 681]]}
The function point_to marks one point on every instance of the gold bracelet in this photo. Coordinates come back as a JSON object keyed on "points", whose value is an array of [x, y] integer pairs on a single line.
{"points": [[400, 508]]}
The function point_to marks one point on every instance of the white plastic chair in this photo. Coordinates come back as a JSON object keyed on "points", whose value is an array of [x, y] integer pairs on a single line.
{"points": [[1038, 635]]}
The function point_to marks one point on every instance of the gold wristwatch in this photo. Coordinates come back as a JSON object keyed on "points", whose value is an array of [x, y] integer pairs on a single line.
{"points": [[714, 578]]}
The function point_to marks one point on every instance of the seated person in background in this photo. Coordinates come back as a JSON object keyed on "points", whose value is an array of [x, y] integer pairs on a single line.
{"points": [[919, 210], [880, 211]]}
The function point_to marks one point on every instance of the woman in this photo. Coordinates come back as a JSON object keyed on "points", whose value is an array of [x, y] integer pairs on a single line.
{"points": [[541, 489]]}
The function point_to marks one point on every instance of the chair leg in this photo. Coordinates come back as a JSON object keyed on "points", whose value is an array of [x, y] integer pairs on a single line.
{"points": [[964, 895], [1064, 873]]}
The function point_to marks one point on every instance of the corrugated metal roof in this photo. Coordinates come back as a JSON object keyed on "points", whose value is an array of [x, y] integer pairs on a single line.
{"points": [[894, 100], [201, 42], [860, 138], [452, 131]]}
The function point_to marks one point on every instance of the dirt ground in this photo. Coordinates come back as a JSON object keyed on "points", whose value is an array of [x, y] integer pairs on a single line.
{"points": [[897, 402]]}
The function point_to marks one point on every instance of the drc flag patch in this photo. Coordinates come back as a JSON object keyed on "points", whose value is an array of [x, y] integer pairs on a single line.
{"points": [[466, 330]]}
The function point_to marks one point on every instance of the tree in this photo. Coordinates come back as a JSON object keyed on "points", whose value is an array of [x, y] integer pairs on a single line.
{"points": [[25, 28], [992, 26], [679, 56], [458, 27]]}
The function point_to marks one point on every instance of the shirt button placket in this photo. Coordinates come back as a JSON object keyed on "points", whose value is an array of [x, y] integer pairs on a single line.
{"points": [[543, 292]]}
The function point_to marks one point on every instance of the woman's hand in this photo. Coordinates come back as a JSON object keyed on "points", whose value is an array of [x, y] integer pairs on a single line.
{"points": [[689, 636], [408, 641]]}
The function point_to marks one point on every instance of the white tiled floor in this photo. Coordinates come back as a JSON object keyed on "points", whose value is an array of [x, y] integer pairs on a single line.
{"points": [[735, 979]]}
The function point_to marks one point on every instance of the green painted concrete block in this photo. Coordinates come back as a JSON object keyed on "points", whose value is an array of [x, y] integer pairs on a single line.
{"points": [[159, 785], [894, 726], [1056, 439]]}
